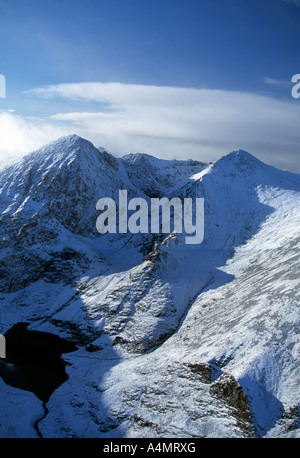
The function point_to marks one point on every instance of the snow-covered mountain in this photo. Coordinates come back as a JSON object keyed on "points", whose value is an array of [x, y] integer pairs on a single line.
{"points": [[173, 340]]}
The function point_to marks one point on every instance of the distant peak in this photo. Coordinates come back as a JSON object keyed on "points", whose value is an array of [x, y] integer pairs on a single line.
{"points": [[68, 140], [64, 143], [138, 157], [241, 154], [239, 159], [71, 137]]}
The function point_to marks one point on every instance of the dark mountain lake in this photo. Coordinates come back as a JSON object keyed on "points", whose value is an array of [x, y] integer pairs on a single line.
{"points": [[33, 360]]}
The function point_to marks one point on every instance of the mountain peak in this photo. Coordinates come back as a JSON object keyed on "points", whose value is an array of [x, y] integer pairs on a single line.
{"points": [[239, 160], [67, 176], [69, 138], [64, 145], [240, 155], [67, 150]]}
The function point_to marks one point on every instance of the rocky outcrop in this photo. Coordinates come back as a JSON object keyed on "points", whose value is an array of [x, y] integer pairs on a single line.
{"points": [[228, 390]]}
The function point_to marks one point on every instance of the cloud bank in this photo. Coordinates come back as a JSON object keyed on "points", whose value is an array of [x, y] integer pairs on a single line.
{"points": [[19, 135], [168, 122]]}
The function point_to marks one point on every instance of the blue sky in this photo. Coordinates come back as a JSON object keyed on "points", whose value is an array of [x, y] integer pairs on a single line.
{"points": [[175, 78]]}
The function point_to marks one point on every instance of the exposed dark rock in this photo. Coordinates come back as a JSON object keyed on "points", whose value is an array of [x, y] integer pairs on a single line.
{"points": [[228, 389]]}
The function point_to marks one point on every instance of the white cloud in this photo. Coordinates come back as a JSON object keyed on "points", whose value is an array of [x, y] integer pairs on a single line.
{"points": [[20, 135], [169, 122], [275, 82]]}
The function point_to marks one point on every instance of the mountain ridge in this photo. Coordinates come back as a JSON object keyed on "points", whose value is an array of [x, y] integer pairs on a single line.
{"points": [[213, 326]]}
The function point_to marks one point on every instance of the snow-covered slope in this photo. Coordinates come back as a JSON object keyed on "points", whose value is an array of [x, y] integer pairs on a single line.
{"points": [[205, 336], [157, 177]]}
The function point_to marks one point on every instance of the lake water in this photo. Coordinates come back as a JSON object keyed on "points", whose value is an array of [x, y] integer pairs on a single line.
{"points": [[33, 360]]}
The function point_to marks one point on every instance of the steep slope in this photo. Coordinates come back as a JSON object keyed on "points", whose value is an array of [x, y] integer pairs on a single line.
{"points": [[68, 175], [156, 177], [156, 294], [48, 212], [205, 336], [50, 202]]}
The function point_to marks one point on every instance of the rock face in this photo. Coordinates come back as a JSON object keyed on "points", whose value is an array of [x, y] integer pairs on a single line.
{"points": [[228, 390], [173, 340]]}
